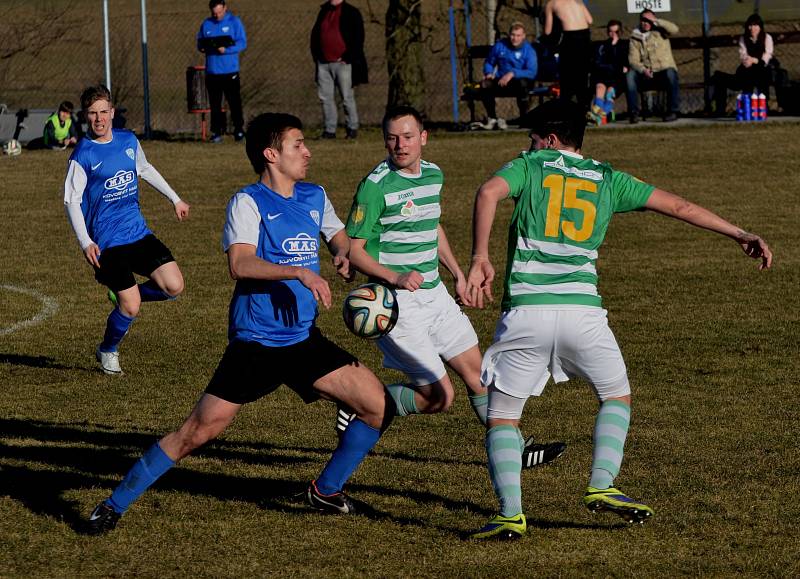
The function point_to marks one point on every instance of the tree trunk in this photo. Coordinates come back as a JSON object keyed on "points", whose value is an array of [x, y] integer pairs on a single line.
{"points": [[404, 55]]}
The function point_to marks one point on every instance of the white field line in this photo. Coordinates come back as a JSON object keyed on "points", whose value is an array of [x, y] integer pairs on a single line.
{"points": [[49, 307]]}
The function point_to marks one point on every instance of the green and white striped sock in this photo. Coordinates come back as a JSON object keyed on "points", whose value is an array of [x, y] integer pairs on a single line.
{"points": [[480, 404], [505, 466], [610, 431], [403, 398]]}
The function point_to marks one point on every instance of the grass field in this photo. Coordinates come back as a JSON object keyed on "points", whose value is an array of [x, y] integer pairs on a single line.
{"points": [[711, 345]]}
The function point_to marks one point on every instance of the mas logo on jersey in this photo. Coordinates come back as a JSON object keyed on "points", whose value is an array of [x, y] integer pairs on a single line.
{"points": [[559, 165], [130, 153], [314, 215], [408, 209], [120, 180], [302, 244]]}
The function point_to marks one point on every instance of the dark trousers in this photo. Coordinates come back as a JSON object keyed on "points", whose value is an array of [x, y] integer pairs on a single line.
{"points": [[755, 78], [638, 82], [227, 84], [517, 87], [574, 64]]}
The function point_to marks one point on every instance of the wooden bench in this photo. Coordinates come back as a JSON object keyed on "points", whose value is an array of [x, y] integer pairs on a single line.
{"points": [[700, 43], [545, 85]]}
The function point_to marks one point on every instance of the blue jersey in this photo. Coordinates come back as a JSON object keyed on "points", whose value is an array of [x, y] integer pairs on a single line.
{"points": [[505, 58], [110, 203], [284, 232], [228, 62]]}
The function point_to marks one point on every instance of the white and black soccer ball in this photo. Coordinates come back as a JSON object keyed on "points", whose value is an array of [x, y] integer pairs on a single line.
{"points": [[370, 311], [12, 148]]}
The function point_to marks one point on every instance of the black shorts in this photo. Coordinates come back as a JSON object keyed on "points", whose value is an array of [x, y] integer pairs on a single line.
{"points": [[119, 263], [249, 370]]}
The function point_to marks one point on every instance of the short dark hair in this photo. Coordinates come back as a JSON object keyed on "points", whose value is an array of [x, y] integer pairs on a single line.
{"points": [[645, 11], [66, 106], [93, 94], [397, 111], [563, 118], [212, 3], [266, 131], [614, 22]]}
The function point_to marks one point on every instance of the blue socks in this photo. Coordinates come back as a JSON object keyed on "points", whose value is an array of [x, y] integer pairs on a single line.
{"points": [[117, 326], [356, 442], [144, 473], [150, 292]]}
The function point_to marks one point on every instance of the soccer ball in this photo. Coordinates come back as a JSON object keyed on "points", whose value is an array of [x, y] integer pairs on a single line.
{"points": [[370, 311], [12, 148]]}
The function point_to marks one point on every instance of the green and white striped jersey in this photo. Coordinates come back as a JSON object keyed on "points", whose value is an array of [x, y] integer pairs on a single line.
{"points": [[564, 204], [398, 214]]}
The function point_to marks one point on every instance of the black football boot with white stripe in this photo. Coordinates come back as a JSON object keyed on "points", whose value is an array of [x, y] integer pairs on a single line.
{"points": [[536, 454]]}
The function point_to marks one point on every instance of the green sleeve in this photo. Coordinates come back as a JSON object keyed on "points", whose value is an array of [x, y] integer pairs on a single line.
{"points": [[628, 192], [515, 173], [368, 205]]}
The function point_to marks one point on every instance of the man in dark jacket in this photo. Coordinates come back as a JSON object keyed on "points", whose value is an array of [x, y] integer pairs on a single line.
{"points": [[337, 46]]}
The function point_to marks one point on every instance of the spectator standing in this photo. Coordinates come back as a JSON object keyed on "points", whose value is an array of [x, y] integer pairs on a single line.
{"points": [[222, 67], [650, 58], [337, 46], [575, 50], [753, 74], [511, 66], [59, 129]]}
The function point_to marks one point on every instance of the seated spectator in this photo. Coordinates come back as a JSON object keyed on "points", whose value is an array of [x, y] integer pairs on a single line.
{"points": [[60, 131], [511, 68], [652, 64], [610, 67], [754, 72]]}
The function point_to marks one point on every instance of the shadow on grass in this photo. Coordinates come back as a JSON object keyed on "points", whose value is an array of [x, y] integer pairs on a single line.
{"points": [[36, 362], [99, 458]]}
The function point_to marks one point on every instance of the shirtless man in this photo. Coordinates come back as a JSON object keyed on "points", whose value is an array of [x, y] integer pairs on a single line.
{"points": [[575, 50]]}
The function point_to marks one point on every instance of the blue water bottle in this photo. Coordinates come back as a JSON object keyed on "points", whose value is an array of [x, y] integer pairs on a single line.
{"points": [[740, 107], [748, 109]]}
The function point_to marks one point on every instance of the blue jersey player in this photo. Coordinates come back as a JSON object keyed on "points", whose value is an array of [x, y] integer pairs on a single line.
{"points": [[271, 236], [101, 196]]}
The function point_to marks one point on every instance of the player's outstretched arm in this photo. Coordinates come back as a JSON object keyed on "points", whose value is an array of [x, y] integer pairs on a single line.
{"points": [[675, 206], [243, 263], [448, 259], [339, 246], [481, 271]]}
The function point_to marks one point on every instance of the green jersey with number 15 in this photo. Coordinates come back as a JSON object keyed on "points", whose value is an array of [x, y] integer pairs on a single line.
{"points": [[564, 204]]}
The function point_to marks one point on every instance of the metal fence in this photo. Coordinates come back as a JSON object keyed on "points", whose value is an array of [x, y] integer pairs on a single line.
{"points": [[51, 49]]}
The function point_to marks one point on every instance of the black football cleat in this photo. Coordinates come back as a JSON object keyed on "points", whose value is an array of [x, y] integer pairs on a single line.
{"points": [[536, 454], [102, 520], [337, 503]]}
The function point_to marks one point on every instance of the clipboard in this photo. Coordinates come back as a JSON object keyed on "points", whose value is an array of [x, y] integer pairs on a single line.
{"points": [[214, 42]]}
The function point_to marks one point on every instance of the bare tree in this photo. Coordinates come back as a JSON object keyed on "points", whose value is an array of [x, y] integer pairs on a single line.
{"points": [[32, 30], [404, 54]]}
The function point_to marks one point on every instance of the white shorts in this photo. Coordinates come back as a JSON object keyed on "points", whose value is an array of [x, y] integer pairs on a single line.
{"points": [[431, 328], [531, 344]]}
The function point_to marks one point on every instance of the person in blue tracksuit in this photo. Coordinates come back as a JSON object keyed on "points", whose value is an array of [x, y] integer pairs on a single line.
{"points": [[222, 68], [510, 67]]}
